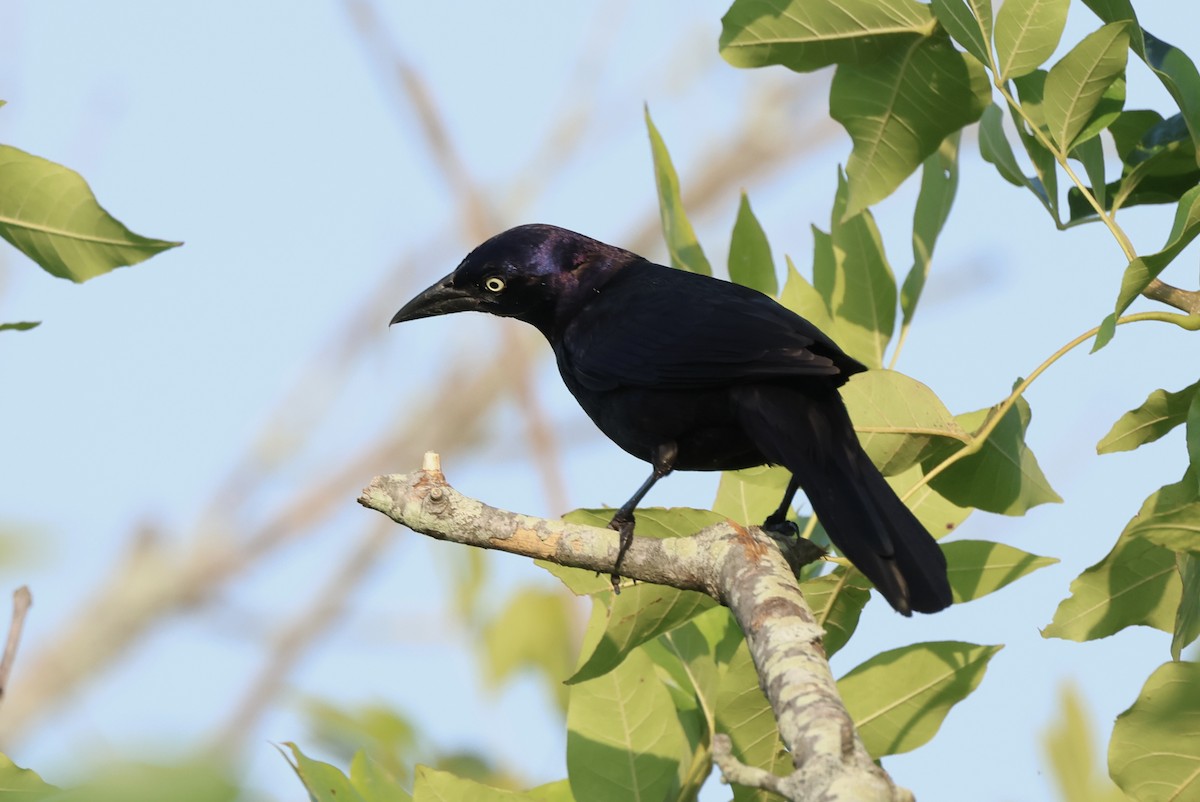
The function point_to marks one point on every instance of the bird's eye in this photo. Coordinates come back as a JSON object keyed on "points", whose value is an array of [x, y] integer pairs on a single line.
{"points": [[493, 284]]}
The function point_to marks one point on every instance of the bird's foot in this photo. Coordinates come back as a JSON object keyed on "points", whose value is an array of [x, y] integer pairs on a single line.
{"points": [[780, 527], [624, 525], [798, 551]]}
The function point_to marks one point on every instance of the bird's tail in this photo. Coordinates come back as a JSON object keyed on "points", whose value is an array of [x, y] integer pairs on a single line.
{"points": [[810, 434]]}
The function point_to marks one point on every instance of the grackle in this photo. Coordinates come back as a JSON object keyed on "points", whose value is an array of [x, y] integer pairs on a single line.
{"points": [[693, 373]]}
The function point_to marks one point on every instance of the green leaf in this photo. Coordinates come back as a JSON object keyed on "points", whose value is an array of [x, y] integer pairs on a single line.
{"points": [[23, 785], [1171, 65], [1193, 436], [557, 791], [442, 786], [1027, 32], [743, 713], [682, 244], [805, 35], [1135, 584], [1187, 617], [935, 512], [533, 630], [639, 614], [50, 214], [1154, 754], [852, 274], [1161, 412], [325, 783], [624, 739], [898, 109], [1144, 269], [979, 567], [1045, 185], [1171, 517], [1073, 755], [837, 600], [1077, 83], [970, 26], [749, 496], [994, 147], [24, 326], [656, 522], [1004, 476], [373, 782], [896, 418], [899, 698], [939, 182], [1090, 153], [802, 297], [750, 260]]}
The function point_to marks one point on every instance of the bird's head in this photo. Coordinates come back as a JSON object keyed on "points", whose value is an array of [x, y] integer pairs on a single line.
{"points": [[524, 272]]}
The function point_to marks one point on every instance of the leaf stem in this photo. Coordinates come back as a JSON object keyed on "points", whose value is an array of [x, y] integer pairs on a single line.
{"points": [[979, 438]]}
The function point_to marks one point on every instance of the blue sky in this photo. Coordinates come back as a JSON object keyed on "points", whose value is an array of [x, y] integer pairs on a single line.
{"points": [[269, 139]]}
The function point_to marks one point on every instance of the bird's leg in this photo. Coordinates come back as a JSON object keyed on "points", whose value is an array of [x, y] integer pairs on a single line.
{"points": [[664, 463], [777, 521]]}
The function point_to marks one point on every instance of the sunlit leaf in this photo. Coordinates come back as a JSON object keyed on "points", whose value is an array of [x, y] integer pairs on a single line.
{"points": [[805, 35], [1154, 754], [994, 147], [1135, 584], [748, 496], [897, 417], [1171, 517], [852, 274], [1161, 412], [624, 739], [1187, 618], [969, 23], [1027, 32], [533, 630], [979, 567], [750, 260], [23, 785], [898, 109], [682, 244], [22, 326], [640, 613], [1003, 476], [837, 600], [325, 783], [1073, 756], [50, 214], [898, 699], [939, 182], [1077, 83], [373, 783]]}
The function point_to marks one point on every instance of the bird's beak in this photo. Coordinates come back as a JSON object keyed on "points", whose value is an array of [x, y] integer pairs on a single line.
{"points": [[440, 299]]}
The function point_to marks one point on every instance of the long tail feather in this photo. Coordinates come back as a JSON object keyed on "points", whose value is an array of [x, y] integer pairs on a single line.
{"points": [[810, 433]]}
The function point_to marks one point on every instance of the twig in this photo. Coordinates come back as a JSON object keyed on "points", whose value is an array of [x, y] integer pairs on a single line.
{"points": [[22, 601], [742, 568]]}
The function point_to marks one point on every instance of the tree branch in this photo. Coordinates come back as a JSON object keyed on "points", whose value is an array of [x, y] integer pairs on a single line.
{"points": [[743, 569], [22, 601]]}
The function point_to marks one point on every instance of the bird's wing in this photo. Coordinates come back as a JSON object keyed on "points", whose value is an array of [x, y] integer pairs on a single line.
{"points": [[653, 326]]}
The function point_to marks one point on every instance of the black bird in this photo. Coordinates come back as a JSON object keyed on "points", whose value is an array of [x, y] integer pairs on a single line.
{"points": [[693, 373]]}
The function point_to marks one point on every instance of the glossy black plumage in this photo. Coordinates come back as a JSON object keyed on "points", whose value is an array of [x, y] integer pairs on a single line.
{"points": [[691, 373]]}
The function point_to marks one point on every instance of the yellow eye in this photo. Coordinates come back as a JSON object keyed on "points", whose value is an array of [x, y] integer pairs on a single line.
{"points": [[493, 284]]}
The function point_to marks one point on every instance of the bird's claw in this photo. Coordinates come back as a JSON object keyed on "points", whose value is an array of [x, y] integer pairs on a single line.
{"points": [[781, 527], [624, 526]]}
